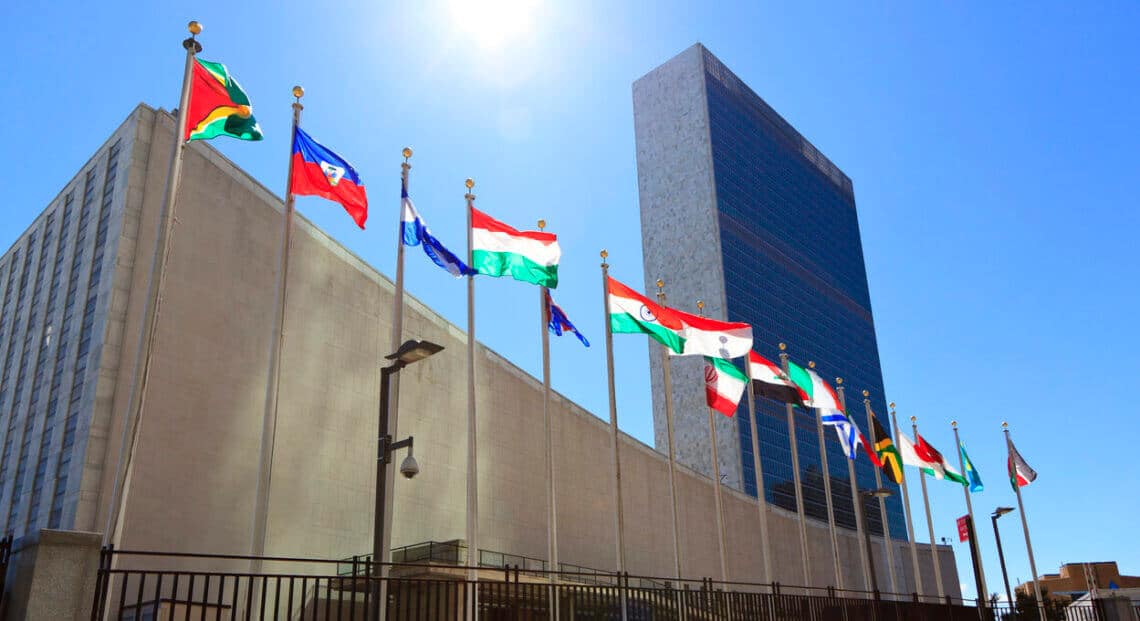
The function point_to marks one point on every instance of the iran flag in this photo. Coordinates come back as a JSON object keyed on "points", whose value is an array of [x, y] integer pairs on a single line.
{"points": [[724, 384]]}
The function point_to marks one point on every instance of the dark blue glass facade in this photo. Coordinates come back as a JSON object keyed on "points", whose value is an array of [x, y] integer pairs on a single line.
{"points": [[793, 268]]}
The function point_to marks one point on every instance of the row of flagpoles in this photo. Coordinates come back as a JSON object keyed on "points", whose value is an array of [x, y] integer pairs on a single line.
{"points": [[213, 104]]}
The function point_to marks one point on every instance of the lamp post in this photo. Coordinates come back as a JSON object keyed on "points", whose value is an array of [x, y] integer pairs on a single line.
{"points": [[882, 492], [1000, 511], [409, 352]]}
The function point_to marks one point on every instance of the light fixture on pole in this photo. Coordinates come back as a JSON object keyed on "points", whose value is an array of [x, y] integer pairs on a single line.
{"points": [[882, 492], [408, 353], [1000, 511]]}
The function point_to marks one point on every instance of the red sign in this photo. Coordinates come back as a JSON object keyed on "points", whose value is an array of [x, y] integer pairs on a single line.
{"points": [[963, 529]]}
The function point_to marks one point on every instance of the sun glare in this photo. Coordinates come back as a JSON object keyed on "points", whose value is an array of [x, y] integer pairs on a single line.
{"points": [[494, 24]]}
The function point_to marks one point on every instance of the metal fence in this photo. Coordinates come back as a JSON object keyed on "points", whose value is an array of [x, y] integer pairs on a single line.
{"points": [[148, 586]]}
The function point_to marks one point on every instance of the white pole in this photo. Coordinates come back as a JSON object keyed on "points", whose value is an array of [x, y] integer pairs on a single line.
{"points": [[472, 445], [666, 370], [887, 543], [804, 552], [719, 501], [982, 597], [1024, 526], [906, 505], [156, 283], [760, 502], [826, 469], [856, 498], [548, 423], [273, 378], [929, 521], [619, 522]]}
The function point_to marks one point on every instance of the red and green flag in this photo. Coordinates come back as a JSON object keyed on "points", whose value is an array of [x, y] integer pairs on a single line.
{"points": [[1020, 474], [218, 105]]}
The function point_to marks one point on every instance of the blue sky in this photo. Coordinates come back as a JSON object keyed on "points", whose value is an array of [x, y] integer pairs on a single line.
{"points": [[991, 147]]}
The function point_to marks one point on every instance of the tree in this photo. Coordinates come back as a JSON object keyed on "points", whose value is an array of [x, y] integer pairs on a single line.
{"points": [[1027, 607]]}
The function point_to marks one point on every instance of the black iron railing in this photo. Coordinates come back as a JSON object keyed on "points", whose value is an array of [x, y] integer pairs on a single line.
{"points": [[138, 585]]}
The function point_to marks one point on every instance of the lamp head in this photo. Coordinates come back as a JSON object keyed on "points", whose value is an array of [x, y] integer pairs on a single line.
{"points": [[409, 468], [414, 351], [1000, 511], [882, 492]]}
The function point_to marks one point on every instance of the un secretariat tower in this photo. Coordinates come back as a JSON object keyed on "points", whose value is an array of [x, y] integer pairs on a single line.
{"points": [[740, 210]]}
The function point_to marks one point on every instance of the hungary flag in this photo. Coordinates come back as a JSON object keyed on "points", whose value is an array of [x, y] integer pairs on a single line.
{"points": [[218, 105], [498, 249], [769, 380], [926, 458], [682, 333], [724, 384]]}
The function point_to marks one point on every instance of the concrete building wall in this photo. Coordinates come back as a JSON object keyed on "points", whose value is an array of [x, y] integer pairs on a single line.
{"points": [[193, 474]]}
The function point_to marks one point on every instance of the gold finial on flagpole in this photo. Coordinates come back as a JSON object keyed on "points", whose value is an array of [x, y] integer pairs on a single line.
{"points": [[839, 381], [470, 183], [604, 254], [660, 285], [866, 393], [195, 27], [541, 224], [913, 420], [954, 424], [700, 305], [1004, 425], [783, 346], [298, 92], [811, 364], [892, 404], [407, 153]]}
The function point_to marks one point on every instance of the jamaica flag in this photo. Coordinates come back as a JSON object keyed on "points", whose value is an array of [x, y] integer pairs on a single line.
{"points": [[887, 452], [218, 105]]}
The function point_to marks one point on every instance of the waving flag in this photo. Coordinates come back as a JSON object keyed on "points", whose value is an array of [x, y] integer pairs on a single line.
{"points": [[1020, 474], [416, 233], [972, 477], [887, 452], [769, 380], [499, 249], [927, 458], [682, 333], [218, 105], [317, 171], [819, 393], [850, 438], [724, 384], [557, 321]]}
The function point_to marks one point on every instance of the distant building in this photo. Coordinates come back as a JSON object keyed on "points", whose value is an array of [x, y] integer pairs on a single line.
{"points": [[741, 210], [1078, 579]]}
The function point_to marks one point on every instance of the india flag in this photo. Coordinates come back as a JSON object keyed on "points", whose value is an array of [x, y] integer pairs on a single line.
{"points": [[724, 385], [498, 249], [682, 333]]}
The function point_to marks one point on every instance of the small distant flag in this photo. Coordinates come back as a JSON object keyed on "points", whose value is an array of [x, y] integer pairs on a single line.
{"points": [[724, 384], [557, 321], [1020, 474], [850, 438], [416, 233], [887, 451], [972, 477], [218, 105], [317, 171]]}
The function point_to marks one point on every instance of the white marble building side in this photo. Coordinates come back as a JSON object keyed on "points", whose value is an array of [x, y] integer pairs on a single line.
{"points": [[681, 245]]}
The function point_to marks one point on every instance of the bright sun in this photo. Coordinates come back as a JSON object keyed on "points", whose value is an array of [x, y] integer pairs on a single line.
{"points": [[494, 24]]}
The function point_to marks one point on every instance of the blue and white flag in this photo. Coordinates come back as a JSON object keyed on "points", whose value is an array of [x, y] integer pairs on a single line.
{"points": [[416, 233], [558, 323]]}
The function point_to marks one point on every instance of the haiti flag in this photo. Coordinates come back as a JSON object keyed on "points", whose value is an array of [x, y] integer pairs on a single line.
{"points": [[318, 171]]}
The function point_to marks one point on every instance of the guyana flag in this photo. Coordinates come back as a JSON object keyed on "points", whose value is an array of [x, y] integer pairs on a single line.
{"points": [[218, 105], [887, 452]]}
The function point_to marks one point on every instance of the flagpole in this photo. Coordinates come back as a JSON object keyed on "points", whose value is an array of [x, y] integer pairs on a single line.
{"points": [[827, 493], [472, 445], [906, 506], [156, 282], [551, 505], [977, 550], [619, 522], [887, 542], [716, 480], [394, 379], [277, 338], [929, 521], [760, 501], [1024, 524], [856, 498], [804, 556], [667, 374]]}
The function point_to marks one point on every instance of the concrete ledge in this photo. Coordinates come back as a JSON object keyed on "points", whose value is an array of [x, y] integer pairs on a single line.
{"points": [[52, 575]]}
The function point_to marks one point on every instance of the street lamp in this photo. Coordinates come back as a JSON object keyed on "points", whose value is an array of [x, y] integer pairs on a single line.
{"points": [[882, 492], [1000, 511], [409, 352]]}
